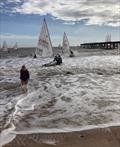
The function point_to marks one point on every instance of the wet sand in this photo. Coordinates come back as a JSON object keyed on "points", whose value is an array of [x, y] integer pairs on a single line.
{"points": [[100, 137]]}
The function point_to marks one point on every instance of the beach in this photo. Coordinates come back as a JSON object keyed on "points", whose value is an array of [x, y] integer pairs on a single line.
{"points": [[59, 73], [75, 104], [100, 137]]}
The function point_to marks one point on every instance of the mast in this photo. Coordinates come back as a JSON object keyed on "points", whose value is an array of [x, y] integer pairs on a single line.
{"points": [[108, 38], [48, 32]]}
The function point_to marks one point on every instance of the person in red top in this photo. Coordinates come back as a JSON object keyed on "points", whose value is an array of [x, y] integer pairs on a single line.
{"points": [[24, 77]]}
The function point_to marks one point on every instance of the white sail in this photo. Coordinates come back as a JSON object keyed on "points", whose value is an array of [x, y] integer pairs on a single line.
{"points": [[15, 46], [44, 47], [4, 47], [66, 46]]}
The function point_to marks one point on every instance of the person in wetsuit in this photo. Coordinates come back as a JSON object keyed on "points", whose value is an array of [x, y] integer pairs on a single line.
{"points": [[24, 77]]}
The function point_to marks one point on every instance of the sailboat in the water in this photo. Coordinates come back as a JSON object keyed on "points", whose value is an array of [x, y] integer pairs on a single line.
{"points": [[4, 47], [44, 47], [15, 47], [66, 46]]}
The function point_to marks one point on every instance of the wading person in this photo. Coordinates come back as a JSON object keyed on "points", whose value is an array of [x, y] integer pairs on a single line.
{"points": [[24, 77]]}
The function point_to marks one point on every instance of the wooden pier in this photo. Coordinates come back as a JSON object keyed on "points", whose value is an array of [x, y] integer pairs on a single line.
{"points": [[102, 45]]}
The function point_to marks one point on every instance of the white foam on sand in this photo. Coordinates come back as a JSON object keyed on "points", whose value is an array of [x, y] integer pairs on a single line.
{"points": [[49, 141], [6, 136], [62, 130]]}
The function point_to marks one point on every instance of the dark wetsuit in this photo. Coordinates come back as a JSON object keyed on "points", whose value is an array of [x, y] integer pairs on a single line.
{"points": [[58, 59], [24, 76]]}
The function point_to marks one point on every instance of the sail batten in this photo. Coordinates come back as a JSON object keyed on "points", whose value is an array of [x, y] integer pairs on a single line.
{"points": [[44, 47]]}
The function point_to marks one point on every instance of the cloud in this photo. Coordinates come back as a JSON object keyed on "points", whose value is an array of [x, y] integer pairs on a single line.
{"points": [[91, 12], [69, 23]]}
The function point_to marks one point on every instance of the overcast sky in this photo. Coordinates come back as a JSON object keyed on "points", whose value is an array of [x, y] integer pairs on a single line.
{"points": [[82, 20]]}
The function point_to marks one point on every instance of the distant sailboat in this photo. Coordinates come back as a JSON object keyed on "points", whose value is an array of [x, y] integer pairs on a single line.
{"points": [[66, 46], [44, 47], [15, 47], [4, 47]]}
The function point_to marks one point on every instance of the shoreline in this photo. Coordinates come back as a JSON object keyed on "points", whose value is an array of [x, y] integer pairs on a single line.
{"points": [[96, 137]]}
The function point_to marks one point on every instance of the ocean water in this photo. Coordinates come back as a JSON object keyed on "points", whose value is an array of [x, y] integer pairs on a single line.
{"points": [[83, 92]]}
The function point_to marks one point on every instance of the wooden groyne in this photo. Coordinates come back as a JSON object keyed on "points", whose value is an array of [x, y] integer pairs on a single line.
{"points": [[102, 45]]}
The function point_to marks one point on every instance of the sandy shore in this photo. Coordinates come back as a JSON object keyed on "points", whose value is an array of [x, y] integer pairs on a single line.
{"points": [[101, 137]]}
